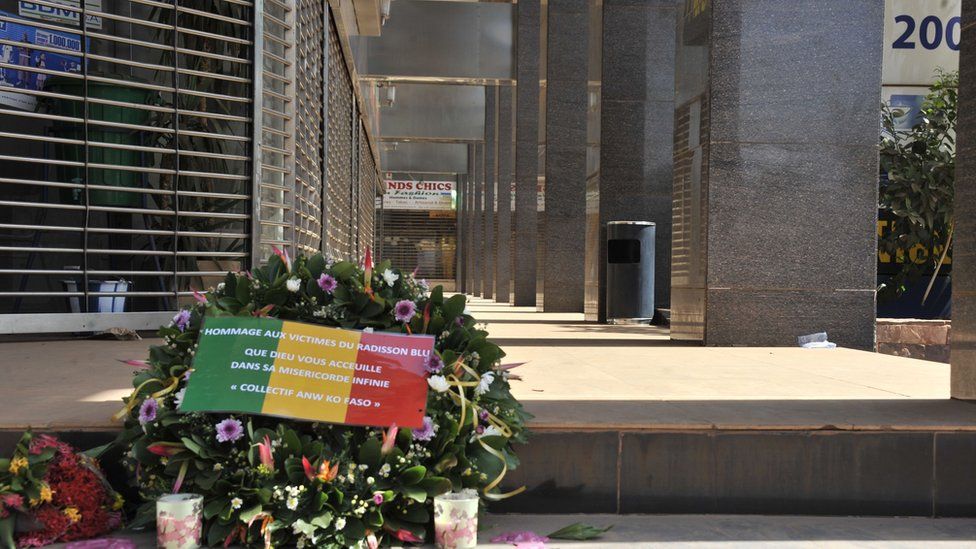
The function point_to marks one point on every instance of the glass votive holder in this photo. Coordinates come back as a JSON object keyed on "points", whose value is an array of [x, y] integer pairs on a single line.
{"points": [[456, 520], [179, 521]]}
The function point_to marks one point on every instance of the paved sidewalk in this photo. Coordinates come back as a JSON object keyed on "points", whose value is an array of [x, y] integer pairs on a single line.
{"points": [[735, 532]]}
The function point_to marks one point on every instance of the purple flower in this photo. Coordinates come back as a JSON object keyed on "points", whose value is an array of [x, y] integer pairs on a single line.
{"points": [[427, 431], [378, 498], [483, 416], [434, 363], [182, 319], [480, 429], [229, 430], [404, 310], [147, 412], [327, 283]]}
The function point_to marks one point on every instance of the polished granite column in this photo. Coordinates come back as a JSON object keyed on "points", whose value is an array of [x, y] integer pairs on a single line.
{"points": [[491, 170], [565, 191], [461, 251], [776, 171], [963, 353], [526, 150], [477, 217], [637, 127], [503, 195]]}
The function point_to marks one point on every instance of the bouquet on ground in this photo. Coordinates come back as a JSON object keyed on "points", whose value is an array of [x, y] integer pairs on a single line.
{"points": [[49, 493], [272, 481]]}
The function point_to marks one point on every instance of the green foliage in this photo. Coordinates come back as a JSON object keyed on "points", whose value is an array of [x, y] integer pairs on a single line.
{"points": [[351, 488], [920, 164], [579, 531]]}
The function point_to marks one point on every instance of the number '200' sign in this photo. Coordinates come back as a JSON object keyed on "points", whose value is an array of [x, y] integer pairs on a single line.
{"points": [[931, 32]]}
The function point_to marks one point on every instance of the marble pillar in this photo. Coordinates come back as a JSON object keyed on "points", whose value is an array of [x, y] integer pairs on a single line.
{"points": [[477, 217], [963, 345], [491, 170], [776, 171], [526, 150], [460, 248], [637, 127], [503, 197], [467, 257], [565, 126]]}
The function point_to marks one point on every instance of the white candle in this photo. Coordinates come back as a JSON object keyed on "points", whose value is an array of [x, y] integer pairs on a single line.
{"points": [[456, 520], [179, 521]]}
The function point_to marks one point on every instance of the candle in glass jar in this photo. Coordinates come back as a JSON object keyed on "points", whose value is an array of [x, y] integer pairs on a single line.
{"points": [[179, 521], [456, 520]]}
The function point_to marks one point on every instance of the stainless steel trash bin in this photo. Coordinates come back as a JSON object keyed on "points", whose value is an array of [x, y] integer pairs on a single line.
{"points": [[630, 270]]}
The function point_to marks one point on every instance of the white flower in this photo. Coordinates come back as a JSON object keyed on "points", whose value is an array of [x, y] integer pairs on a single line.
{"points": [[484, 383], [220, 287], [385, 469], [370, 480], [390, 277], [438, 383], [340, 523], [293, 284], [178, 397], [236, 503], [368, 330], [292, 503]]}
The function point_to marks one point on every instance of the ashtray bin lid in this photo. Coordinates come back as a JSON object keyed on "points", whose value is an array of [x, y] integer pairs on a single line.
{"points": [[647, 223]]}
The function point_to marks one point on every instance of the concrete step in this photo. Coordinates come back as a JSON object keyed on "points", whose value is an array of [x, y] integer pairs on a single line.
{"points": [[755, 471]]}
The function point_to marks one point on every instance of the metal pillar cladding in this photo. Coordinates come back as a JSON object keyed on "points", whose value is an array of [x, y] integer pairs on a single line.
{"points": [[528, 31], [503, 196], [491, 176]]}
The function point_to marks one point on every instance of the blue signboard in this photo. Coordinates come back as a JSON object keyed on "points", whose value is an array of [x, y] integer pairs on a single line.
{"points": [[23, 54]]}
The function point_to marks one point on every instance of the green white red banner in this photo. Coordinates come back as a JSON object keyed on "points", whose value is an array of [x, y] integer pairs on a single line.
{"points": [[304, 371]]}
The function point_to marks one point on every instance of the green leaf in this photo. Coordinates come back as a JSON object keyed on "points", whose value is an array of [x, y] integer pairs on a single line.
{"points": [[248, 514], [192, 446], [355, 529], [7, 532], [213, 508], [579, 531], [412, 475], [323, 520], [415, 493], [454, 306], [436, 486], [316, 264], [369, 453]]}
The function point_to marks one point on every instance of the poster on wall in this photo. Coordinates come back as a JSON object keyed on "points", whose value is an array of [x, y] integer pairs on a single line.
{"points": [[22, 54], [65, 15], [920, 37], [419, 195]]}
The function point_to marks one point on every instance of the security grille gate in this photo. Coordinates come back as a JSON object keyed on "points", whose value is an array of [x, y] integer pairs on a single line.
{"points": [[131, 167]]}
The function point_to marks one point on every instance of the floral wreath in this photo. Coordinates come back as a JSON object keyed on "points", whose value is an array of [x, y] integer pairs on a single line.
{"points": [[268, 481]]}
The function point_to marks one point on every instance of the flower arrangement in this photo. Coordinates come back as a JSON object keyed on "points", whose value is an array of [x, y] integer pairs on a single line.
{"points": [[270, 481], [50, 493]]}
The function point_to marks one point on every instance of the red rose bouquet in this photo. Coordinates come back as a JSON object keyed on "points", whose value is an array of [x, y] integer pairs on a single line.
{"points": [[49, 493]]}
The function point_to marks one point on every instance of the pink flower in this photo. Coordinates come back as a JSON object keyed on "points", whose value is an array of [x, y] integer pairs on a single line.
{"points": [[378, 498], [229, 430], [434, 363], [166, 449], [327, 283], [182, 319], [404, 310], [199, 297], [427, 431], [147, 412], [136, 363], [389, 440], [12, 500], [283, 254], [264, 452], [526, 536]]}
